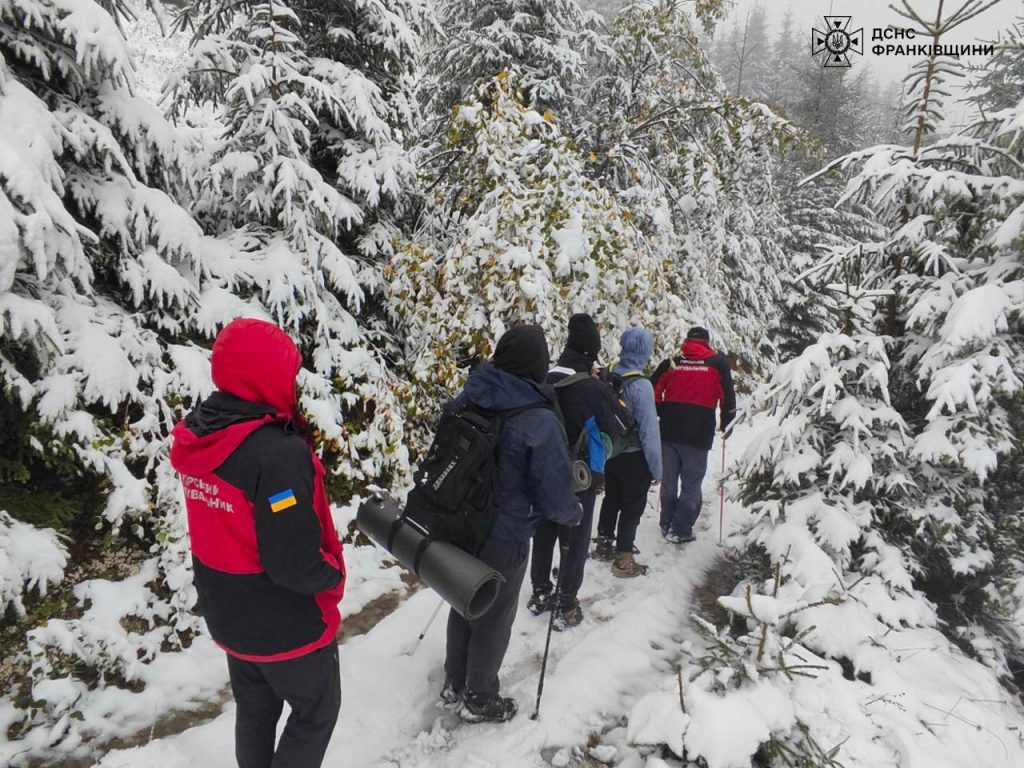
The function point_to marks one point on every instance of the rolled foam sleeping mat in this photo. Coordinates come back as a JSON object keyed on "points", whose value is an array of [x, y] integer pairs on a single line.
{"points": [[466, 584]]}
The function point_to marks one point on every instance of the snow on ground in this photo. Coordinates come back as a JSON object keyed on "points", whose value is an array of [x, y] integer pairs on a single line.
{"points": [[629, 639], [173, 682], [614, 678], [632, 636]]}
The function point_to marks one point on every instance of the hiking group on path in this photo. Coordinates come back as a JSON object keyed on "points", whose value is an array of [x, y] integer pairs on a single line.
{"points": [[268, 564]]}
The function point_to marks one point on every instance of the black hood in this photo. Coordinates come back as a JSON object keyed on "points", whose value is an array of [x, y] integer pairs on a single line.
{"points": [[523, 351], [496, 390], [584, 336], [578, 361], [221, 410]]}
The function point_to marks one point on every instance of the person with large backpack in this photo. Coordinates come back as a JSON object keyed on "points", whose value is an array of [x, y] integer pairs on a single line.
{"points": [[532, 482], [687, 394], [267, 563], [591, 416], [630, 474]]}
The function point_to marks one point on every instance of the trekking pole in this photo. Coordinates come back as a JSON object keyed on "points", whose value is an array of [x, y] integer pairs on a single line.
{"points": [[721, 494], [551, 625], [426, 628]]}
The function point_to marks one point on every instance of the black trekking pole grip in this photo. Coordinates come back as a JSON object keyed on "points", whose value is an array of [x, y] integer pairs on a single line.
{"points": [[563, 549]]}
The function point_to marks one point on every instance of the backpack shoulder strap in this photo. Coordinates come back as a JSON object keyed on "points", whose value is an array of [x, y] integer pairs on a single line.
{"points": [[568, 381], [479, 418], [483, 418], [499, 418], [504, 416]]}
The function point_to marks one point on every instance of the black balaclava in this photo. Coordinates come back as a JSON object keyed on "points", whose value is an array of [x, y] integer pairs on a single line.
{"points": [[523, 351], [584, 336]]}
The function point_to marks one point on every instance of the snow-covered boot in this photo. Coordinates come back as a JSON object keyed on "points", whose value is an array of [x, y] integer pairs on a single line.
{"points": [[539, 601], [450, 698], [568, 617], [673, 538], [626, 566], [478, 708], [605, 549]]}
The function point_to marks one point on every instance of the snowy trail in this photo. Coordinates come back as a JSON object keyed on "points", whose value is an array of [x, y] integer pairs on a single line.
{"points": [[631, 637]]}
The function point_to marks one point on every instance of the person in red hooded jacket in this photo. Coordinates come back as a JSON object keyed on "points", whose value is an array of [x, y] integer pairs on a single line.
{"points": [[687, 394], [268, 565]]}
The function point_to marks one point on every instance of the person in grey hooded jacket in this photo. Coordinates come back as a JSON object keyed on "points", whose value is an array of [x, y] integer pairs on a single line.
{"points": [[629, 475]]}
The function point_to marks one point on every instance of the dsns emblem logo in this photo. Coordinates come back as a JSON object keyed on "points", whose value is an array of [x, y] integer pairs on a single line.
{"points": [[837, 41]]}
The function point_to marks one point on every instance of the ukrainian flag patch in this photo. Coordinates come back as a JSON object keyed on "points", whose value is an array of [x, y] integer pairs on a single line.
{"points": [[282, 500]]}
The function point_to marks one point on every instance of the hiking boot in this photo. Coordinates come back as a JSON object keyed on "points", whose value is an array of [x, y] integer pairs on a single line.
{"points": [[605, 549], [450, 697], [626, 566], [477, 708], [568, 617], [539, 601]]}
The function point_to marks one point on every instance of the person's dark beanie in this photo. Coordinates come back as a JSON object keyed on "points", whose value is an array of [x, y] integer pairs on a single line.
{"points": [[698, 333], [584, 336], [523, 351]]}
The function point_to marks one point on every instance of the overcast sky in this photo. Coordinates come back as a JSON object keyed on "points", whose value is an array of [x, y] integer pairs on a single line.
{"points": [[877, 13]]}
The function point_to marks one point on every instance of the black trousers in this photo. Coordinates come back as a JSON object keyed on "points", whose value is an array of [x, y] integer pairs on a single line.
{"points": [[311, 685], [575, 543], [477, 648], [626, 483]]}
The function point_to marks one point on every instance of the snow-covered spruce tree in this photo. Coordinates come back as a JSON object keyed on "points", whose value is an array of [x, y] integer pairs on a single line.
{"points": [[833, 653], [813, 228], [833, 104], [515, 230], [835, 113], [825, 464], [743, 53], [694, 167], [826, 480], [831, 604], [99, 291], [344, 71], [845, 110], [781, 62], [999, 84], [951, 260], [547, 42], [304, 186]]}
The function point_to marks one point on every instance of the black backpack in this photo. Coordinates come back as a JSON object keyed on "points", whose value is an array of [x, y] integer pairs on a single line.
{"points": [[627, 433], [454, 486], [579, 451], [579, 454], [630, 434]]}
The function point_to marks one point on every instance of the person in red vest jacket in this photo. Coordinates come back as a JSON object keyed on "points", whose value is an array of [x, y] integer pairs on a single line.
{"points": [[268, 565], [686, 395]]}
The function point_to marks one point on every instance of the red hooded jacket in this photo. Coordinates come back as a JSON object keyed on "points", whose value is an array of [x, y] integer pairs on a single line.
{"points": [[688, 394], [268, 565]]}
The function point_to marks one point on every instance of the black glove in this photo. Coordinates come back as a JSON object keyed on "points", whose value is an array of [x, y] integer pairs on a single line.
{"points": [[727, 420]]}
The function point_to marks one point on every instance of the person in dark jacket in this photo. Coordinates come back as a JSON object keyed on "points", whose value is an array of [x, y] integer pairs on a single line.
{"points": [[533, 483], [588, 406], [687, 395], [268, 565], [630, 474]]}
